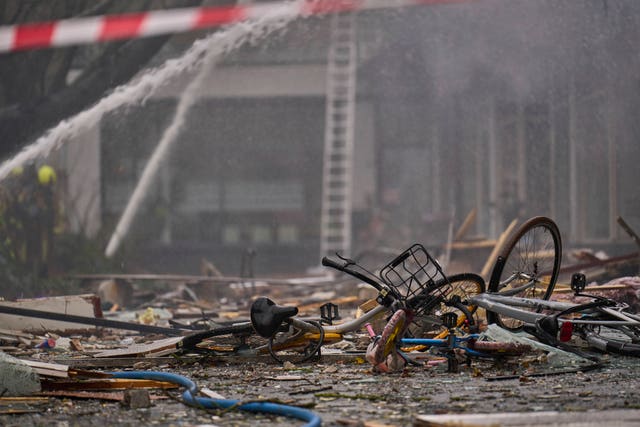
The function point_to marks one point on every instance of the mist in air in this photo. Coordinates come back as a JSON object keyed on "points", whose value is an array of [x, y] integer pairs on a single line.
{"points": [[511, 109]]}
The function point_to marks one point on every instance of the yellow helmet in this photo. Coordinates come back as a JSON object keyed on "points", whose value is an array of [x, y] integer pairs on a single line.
{"points": [[46, 175]]}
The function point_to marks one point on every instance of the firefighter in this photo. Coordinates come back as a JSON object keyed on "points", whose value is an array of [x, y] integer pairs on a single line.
{"points": [[46, 215], [36, 211]]}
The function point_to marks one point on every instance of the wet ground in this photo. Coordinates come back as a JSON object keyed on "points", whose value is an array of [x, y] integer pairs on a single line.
{"points": [[344, 391]]}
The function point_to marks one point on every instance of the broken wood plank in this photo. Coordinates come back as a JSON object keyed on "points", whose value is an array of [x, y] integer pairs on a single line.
{"points": [[48, 369], [156, 348], [565, 288], [496, 249], [466, 224], [60, 370], [104, 384], [480, 244], [233, 358], [16, 334], [626, 227], [632, 257], [116, 396], [127, 362]]}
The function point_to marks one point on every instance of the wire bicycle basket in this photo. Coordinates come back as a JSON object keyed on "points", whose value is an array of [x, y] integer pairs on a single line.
{"points": [[417, 278]]}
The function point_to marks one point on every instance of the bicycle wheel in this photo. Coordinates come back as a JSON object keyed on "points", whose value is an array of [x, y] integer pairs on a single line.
{"points": [[463, 285], [229, 337], [295, 345], [531, 262]]}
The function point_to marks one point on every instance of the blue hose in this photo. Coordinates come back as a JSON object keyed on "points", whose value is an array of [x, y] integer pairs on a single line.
{"points": [[189, 396]]}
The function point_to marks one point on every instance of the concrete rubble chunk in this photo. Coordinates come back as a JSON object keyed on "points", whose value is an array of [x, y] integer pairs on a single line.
{"points": [[555, 356], [136, 399], [17, 378]]}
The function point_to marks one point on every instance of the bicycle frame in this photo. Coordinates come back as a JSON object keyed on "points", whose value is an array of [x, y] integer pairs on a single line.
{"points": [[387, 347], [332, 333], [508, 306], [532, 281], [413, 282]]}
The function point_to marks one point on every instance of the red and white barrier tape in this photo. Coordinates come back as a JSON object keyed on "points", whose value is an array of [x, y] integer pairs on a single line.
{"points": [[88, 30]]}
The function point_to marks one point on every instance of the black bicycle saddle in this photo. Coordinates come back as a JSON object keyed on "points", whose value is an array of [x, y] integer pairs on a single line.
{"points": [[267, 316]]}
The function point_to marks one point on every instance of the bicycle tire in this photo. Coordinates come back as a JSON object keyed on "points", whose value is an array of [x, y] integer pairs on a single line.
{"points": [[464, 285], [297, 349], [535, 249], [240, 329]]}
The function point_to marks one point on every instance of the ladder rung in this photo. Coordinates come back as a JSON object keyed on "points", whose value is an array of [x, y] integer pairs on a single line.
{"points": [[338, 146], [333, 236], [332, 203], [336, 183], [334, 229], [338, 170], [337, 187], [333, 240], [332, 198]]}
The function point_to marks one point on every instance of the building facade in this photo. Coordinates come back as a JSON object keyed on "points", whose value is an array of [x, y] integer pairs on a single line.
{"points": [[515, 110]]}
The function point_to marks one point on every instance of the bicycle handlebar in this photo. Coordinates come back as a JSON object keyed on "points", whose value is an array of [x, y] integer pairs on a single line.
{"points": [[359, 273], [328, 262]]}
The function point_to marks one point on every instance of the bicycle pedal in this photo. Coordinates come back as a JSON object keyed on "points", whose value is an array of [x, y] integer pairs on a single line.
{"points": [[578, 282], [329, 313], [450, 320]]}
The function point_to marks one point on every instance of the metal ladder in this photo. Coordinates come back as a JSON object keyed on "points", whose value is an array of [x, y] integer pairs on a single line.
{"points": [[335, 225]]}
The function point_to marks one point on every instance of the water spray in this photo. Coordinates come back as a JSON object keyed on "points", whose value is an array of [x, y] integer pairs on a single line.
{"points": [[135, 92], [103, 28], [268, 23]]}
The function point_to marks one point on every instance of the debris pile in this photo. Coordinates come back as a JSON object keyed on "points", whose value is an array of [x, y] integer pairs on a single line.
{"points": [[122, 341]]}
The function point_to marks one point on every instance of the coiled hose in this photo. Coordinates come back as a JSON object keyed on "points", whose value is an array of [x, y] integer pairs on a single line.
{"points": [[191, 390]]}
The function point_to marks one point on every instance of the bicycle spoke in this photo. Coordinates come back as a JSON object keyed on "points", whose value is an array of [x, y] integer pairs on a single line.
{"points": [[531, 265]]}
